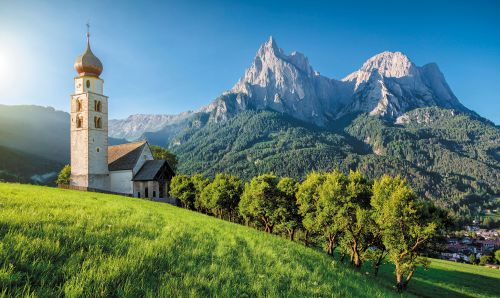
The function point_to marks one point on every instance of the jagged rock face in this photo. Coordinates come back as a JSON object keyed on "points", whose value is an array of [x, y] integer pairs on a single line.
{"points": [[288, 84], [135, 126], [389, 84]]}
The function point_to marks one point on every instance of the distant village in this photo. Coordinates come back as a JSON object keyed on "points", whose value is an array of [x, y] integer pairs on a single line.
{"points": [[470, 244]]}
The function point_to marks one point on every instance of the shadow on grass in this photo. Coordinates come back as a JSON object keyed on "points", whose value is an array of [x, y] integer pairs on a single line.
{"points": [[436, 282]]}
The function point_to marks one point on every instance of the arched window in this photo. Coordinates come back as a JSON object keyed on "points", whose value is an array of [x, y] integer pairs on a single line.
{"points": [[78, 105], [97, 122], [97, 106], [88, 84], [79, 121]]}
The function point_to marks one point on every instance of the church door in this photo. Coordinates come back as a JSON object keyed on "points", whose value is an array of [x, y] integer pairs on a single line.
{"points": [[146, 192]]}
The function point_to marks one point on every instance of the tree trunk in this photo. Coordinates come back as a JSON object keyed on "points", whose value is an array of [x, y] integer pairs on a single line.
{"points": [[355, 252], [330, 246], [407, 280], [399, 279], [306, 238], [291, 234]]}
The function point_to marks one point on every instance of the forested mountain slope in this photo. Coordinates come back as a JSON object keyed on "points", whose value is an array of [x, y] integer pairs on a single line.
{"points": [[448, 156]]}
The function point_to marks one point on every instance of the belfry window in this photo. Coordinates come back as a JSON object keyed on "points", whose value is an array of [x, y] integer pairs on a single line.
{"points": [[97, 122], [78, 105], [97, 106], [88, 84]]}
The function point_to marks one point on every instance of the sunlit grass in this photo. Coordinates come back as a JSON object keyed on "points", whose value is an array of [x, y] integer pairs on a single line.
{"points": [[59, 242]]}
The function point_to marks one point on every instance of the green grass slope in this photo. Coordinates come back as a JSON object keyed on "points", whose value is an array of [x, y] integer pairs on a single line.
{"points": [[59, 242]]}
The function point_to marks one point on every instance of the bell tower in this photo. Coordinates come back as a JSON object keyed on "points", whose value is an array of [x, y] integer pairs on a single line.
{"points": [[89, 124]]}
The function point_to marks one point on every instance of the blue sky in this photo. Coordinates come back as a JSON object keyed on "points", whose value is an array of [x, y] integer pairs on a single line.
{"points": [[172, 56]]}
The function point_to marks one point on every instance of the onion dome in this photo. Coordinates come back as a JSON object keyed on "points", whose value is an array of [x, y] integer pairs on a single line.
{"points": [[88, 64]]}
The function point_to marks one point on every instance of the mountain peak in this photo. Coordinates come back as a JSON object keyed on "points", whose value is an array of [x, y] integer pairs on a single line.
{"points": [[390, 64]]}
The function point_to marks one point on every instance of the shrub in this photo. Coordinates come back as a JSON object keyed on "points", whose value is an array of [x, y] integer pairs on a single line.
{"points": [[64, 175]]}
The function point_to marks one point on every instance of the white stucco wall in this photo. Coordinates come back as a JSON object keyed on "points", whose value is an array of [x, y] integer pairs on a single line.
{"points": [[121, 181]]}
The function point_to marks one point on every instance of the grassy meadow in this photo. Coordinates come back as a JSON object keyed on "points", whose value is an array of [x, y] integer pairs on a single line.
{"points": [[67, 243]]}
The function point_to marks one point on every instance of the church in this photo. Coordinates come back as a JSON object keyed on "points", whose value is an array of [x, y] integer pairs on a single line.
{"points": [[128, 169]]}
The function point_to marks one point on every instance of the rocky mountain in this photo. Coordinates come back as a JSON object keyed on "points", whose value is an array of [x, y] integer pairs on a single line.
{"points": [[282, 116], [136, 125], [387, 84]]}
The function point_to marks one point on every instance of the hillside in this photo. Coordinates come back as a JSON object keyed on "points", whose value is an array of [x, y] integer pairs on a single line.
{"points": [[452, 158], [18, 166], [58, 242], [37, 130]]}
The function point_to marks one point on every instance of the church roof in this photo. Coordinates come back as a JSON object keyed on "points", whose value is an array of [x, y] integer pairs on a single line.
{"points": [[125, 156], [149, 170]]}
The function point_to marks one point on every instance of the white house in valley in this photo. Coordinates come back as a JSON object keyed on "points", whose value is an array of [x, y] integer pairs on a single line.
{"points": [[128, 169]]}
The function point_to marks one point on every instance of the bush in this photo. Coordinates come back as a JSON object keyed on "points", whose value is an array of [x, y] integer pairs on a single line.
{"points": [[64, 175], [484, 260]]}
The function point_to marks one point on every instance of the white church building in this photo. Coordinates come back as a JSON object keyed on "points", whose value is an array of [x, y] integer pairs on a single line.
{"points": [[128, 169]]}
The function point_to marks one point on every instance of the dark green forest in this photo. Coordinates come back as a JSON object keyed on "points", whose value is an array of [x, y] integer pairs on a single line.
{"points": [[448, 157]]}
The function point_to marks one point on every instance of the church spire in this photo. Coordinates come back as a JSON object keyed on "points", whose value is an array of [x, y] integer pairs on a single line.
{"points": [[88, 64], [88, 34]]}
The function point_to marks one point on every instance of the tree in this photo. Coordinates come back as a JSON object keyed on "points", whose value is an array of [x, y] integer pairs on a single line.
{"points": [[200, 182], [260, 201], [307, 198], [472, 259], [162, 153], [64, 175], [404, 227], [222, 195], [328, 208], [354, 216], [288, 214], [483, 260], [182, 188], [497, 256]]}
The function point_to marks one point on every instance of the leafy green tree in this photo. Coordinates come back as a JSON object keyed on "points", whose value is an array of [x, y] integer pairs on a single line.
{"points": [[222, 195], [288, 214], [261, 200], [472, 259], [162, 153], [355, 218], [483, 260], [307, 199], [329, 214], [404, 229], [200, 182], [182, 188], [497, 256], [64, 175]]}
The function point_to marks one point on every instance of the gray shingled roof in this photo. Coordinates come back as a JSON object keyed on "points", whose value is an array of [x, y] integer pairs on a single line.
{"points": [[149, 170], [125, 156]]}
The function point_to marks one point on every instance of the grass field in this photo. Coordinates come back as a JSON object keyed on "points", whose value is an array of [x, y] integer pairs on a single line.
{"points": [[62, 242]]}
